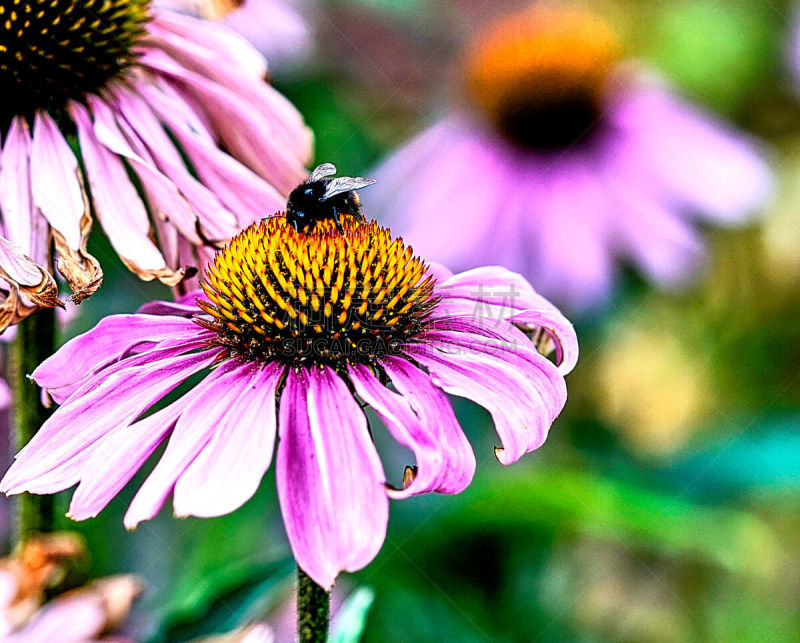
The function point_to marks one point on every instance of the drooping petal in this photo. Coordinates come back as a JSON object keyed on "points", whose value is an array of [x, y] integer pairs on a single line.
{"points": [[331, 485], [117, 457], [563, 220], [227, 472], [420, 418], [241, 190], [664, 245], [494, 293], [523, 392], [119, 206], [277, 29], [207, 409], [123, 394], [22, 222], [207, 47], [166, 201], [452, 151], [251, 141], [55, 179], [215, 220], [58, 194], [27, 276], [179, 37]]}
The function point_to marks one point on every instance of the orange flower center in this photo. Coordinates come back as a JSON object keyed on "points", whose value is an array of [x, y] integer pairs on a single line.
{"points": [[540, 75], [325, 296]]}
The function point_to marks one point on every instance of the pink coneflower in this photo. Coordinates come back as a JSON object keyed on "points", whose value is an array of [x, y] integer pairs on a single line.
{"points": [[142, 91], [567, 161], [294, 332]]}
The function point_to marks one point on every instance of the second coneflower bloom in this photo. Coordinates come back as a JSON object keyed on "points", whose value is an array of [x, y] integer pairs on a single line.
{"points": [[150, 98], [565, 161], [293, 332]]}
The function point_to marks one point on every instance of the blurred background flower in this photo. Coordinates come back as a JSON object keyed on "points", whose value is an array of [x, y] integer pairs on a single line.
{"points": [[566, 161]]}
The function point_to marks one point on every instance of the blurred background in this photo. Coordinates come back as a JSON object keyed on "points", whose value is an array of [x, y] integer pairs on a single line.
{"points": [[664, 504]]}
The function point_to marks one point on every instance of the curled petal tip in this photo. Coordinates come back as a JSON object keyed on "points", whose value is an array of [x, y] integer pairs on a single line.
{"points": [[409, 476]]}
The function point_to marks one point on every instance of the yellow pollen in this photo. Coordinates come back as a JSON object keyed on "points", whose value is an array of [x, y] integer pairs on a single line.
{"points": [[275, 293]]}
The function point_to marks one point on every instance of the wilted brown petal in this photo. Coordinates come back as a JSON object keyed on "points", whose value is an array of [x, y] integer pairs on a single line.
{"points": [[81, 270]]}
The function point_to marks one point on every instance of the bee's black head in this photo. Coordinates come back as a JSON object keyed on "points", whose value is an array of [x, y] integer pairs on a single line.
{"points": [[321, 197]]}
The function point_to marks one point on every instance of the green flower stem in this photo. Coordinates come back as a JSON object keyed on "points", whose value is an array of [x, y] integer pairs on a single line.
{"points": [[313, 607], [35, 341]]}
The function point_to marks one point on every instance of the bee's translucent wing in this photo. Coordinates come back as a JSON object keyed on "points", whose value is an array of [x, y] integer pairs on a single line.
{"points": [[321, 171], [345, 184]]}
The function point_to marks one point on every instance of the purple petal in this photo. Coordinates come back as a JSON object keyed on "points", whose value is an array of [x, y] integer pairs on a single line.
{"points": [[227, 472], [331, 485], [244, 79], [208, 405], [439, 271], [17, 266], [116, 458], [184, 306], [277, 29], [252, 140], [493, 294], [565, 215], [123, 394], [419, 417], [70, 617], [165, 199], [116, 201], [55, 180], [452, 151], [241, 190], [690, 157], [215, 219], [206, 47], [5, 395], [112, 338], [524, 393], [23, 224], [655, 236]]}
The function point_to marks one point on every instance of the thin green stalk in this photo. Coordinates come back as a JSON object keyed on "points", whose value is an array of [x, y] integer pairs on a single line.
{"points": [[35, 341], [313, 607]]}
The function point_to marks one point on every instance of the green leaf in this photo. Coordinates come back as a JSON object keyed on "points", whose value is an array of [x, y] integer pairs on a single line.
{"points": [[227, 598], [351, 619]]}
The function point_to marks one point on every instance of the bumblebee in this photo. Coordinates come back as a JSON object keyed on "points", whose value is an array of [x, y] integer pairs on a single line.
{"points": [[319, 198]]}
